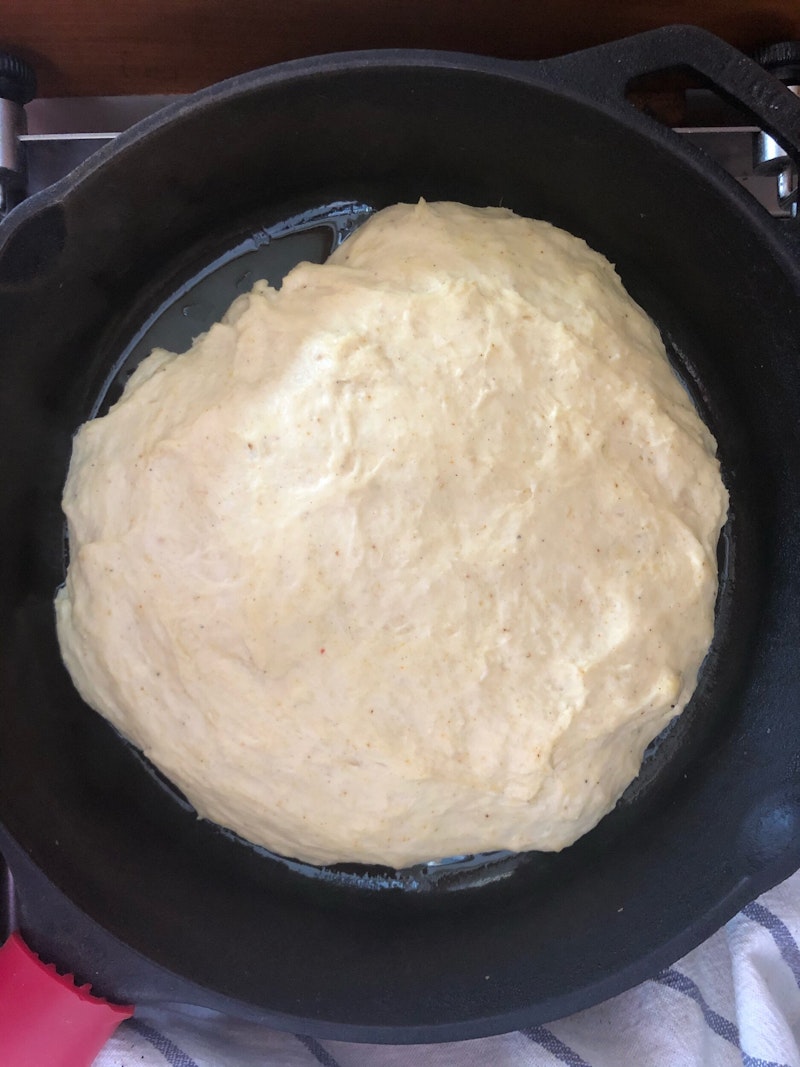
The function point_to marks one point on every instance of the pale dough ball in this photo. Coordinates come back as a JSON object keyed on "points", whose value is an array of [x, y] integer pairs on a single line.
{"points": [[409, 559]]}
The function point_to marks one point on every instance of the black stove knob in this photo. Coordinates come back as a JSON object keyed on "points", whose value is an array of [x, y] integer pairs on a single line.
{"points": [[782, 60], [17, 88], [17, 79]]}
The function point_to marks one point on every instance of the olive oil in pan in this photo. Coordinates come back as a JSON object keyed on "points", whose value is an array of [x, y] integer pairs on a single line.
{"points": [[195, 305]]}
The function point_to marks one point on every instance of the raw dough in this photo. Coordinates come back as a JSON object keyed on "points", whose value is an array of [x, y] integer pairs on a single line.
{"points": [[409, 559]]}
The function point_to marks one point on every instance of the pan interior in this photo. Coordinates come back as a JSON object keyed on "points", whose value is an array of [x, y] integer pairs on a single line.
{"points": [[185, 304]]}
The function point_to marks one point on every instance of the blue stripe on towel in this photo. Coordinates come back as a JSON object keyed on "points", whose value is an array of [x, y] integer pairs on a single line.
{"points": [[781, 934], [174, 1056], [674, 979], [320, 1054], [683, 984], [548, 1040]]}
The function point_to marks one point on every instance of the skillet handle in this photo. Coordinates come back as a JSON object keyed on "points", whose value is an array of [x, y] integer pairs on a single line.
{"points": [[604, 73], [44, 1018]]}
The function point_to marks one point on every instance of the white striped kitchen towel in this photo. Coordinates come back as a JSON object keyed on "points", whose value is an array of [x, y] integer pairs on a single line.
{"points": [[733, 1002]]}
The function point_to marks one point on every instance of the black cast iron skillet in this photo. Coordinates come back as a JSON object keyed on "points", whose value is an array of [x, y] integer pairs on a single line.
{"points": [[118, 880]]}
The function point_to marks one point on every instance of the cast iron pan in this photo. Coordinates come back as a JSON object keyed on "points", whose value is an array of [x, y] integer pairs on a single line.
{"points": [[118, 879]]}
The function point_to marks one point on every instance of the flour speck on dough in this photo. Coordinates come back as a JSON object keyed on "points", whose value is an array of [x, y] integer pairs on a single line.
{"points": [[411, 558]]}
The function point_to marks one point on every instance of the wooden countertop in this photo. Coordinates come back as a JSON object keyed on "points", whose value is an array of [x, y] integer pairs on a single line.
{"points": [[94, 47]]}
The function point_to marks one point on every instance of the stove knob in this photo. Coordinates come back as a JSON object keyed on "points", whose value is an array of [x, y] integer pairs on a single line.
{"points": [[782, 60], [17, 79], [17, 88]]}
